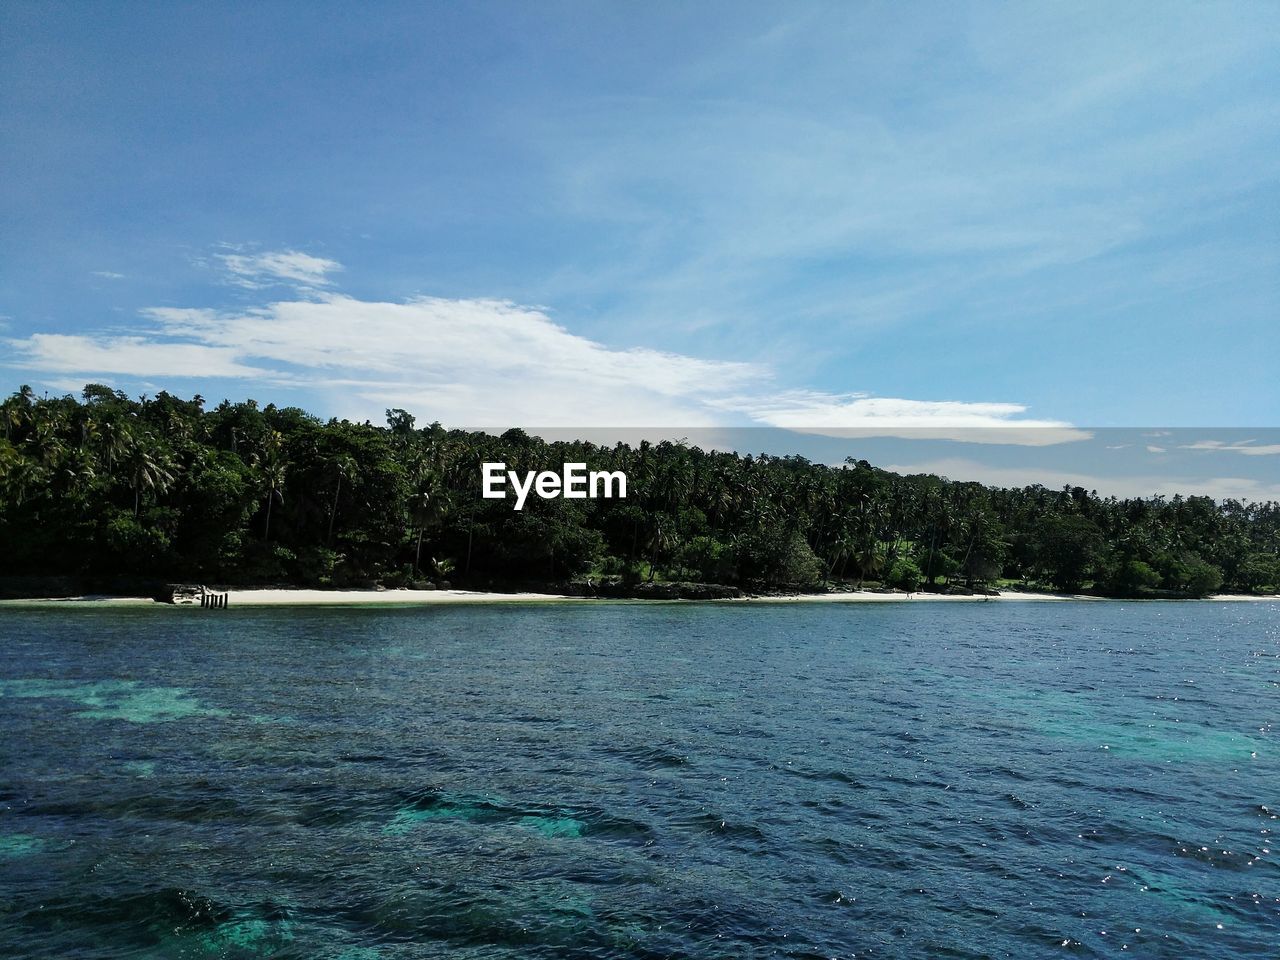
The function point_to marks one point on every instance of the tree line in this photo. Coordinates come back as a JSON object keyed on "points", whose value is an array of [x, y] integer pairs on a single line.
{"points": [[241, 493]]}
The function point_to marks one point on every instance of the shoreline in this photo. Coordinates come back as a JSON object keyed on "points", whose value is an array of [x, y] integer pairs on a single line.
{"points": [[302, 597]]}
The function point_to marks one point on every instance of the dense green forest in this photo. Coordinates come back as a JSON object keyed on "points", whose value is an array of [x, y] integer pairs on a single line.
{"points": [[161, 487]]}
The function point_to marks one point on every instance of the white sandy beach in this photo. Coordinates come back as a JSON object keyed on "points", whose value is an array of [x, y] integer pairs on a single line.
{"points": [[286, 597], [867, 596]]}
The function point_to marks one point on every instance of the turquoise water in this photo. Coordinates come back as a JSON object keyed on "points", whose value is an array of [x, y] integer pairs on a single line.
{"points": [[592, 781]]}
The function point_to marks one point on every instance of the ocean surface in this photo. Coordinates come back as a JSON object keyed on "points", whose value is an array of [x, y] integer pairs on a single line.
{"points": [[619, 780]]}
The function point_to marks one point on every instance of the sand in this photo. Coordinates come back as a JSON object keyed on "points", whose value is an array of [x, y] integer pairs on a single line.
{"points": [[288, 597], [866, 596], [310, 598]]}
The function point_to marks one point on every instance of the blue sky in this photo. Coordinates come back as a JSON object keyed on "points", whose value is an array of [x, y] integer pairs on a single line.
{"points": [[898, 218]]}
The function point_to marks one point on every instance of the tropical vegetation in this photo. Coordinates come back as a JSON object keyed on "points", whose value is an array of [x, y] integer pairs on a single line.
{"points": [[163, 487]]}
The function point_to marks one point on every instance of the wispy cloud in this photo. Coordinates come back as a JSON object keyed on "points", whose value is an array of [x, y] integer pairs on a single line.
{"points": [[107, 274], [128, 356], [1250, 448], [257, 270], [787, 157], [72, 385]]}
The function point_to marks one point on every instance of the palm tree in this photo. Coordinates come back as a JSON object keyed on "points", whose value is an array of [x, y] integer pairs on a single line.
{"points": [[16, 411], [345, 468], [78, 470], [18, 474], [272, 468], [115, 437], [871, 560], [431, 504], [46, 434], [148, 469], [937, 511]]}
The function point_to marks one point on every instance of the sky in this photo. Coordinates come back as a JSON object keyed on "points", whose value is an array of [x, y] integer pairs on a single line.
{"points": [[1003, 226]]}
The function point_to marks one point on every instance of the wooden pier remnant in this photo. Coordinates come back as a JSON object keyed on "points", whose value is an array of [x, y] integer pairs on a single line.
{"points": [[192, 593]]}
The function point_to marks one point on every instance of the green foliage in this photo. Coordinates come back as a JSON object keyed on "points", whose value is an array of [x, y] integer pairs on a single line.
{"points": [[317, 565], [267, 563], [1260, 573], [905, 574], [773, 556], [125, 540], [706, 559], [800, 565], [1186, 572], [1200, 579], [1071, 550], [940, 564], [1132, 577], [161, 486]]}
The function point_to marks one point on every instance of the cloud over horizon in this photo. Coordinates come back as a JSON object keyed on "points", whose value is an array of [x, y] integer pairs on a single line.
{"points": [[1250, 448], [1244, 489], [483, 362]]}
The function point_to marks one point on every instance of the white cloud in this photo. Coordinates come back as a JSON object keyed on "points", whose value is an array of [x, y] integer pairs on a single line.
{"points": [[858, 415], [258, 270], [1152, 448], [1220, 488], [108, 274], [73, 385], [1250, 448], [490, 363], [127, 356]]}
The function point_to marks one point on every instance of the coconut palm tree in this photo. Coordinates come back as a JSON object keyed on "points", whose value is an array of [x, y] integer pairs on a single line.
{"points": [[148, 468], [15, 412], [45, 434], [272, 468], [431, 504], [18, 474], [344, 467]]}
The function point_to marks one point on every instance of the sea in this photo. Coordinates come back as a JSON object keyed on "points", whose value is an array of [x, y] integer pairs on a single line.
{"points": [[641, 780]]}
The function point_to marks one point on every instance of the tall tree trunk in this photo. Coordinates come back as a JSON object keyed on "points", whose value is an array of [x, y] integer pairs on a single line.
{"points": [[417, 554], [964, 564], [266, 531], [334, 511], [653, 553]]}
